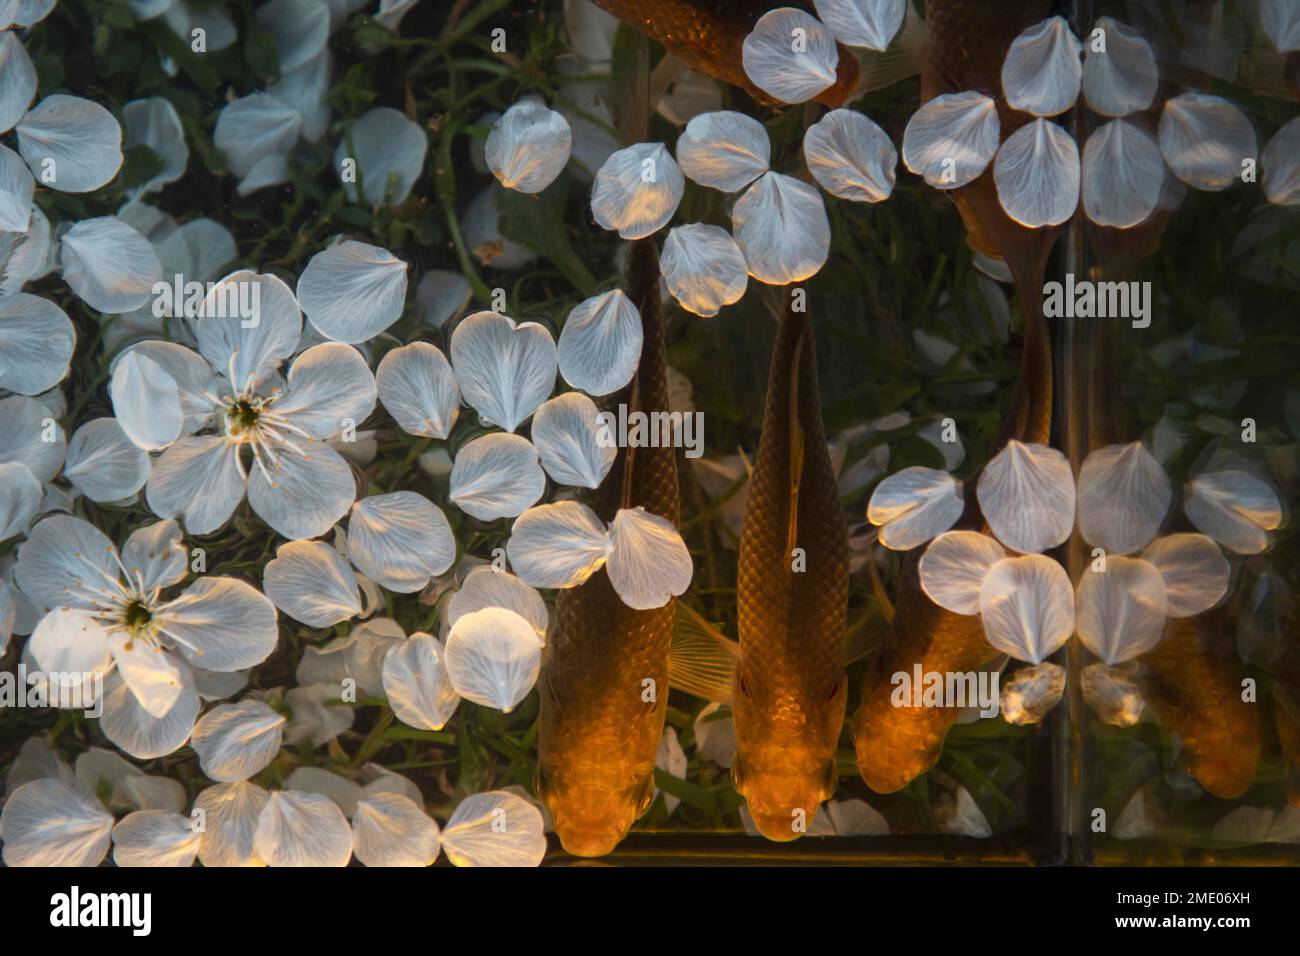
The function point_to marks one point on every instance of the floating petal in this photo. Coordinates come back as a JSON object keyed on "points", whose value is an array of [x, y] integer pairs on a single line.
{"points": [[649, 563], [318, 716], [1281, 162], [302, 829], [20, 498], [781, 226], [1037, 175], [389, 830], [495, 829], [1204, 139], [1234, 508], [1042, 71], [1121, 611], [600, 343], [417, 386], [16, 190], [300, 29], [400, 540], [441, 295], [496, 476], [870, 24], [488, 587], [109, 265], [724, 150], [915, 505], [703, 268], [1122, 79], [153, 123], [70, 143], [528, 146], [505, 370], [1124, 496], [36, 343], [1027, 495], [352, 291], [558, 545], [155, 838], [851, 157], [953, 568], [790, 55], [416, 683], [255, 129], [1027, 606], [17, 80], [951, 139], [310, 581], [230, 814], [1123, 173], [493, 658], [51, 823], [389, 150], [146, 400], [1281, 21], [103, 464], [236, 741], [637, 190], [575, 447], [1194, 569]]}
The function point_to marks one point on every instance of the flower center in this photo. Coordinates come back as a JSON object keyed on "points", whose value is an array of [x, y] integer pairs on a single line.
{"points": [[136, 616], [242, 415]]}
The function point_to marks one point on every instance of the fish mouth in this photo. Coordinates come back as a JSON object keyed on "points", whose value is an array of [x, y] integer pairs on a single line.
{"points": [[589, 842]]}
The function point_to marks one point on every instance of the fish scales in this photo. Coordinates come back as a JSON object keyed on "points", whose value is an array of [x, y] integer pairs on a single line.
{"points": [[599, 735]]}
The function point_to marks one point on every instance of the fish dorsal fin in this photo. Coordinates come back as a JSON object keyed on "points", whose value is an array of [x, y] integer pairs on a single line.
{"points": [[796, 445], [703, 660]]}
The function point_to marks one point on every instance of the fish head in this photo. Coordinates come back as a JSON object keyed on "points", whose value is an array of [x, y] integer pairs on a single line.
{"points": [[595, 802], [785, 752]]}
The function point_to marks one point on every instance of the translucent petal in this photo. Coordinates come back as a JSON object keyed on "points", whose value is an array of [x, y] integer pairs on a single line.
{"points": [[505, 370], [1281, 162], [1121, 611], [400, 540], [850, 156], [330, 389], [260, 343], [442, 295], [1027, 495], [953, 568], [1124, 78], [600, 343], [344, 792], [25, 426], [1124, 496], [1194, 569], [528, 146], [724, 150], [1027, 607], [870, 24], [951, 139], [649, 563], [155, 838], [154, 678], [306, 89], [63, 563], [1112, 694], [495, 829], [17, 80], [50, 823], [567, 434], [20, 498], [1234, 508], [230, 820], [1031, 693], [352, 291], [493, 658], [417, 386], [1037, 174], [71, 144], [390, 830], [915, 505], [16, 189], [790, 55], [416, 683], [1204, 140], [198, 479], [255, 129], [30, 12], [703, 268], [558, 545], [229, 624], [192, 374], [483, 234], [318, 716], [25, 255], [300, 29], [1281, 21], [153, 122], [109, 265], [36, 342], [1042, 71], [781, 227], [122, 785], [302, 829], [69, 641], [156, 554], [488, 587], [306, 494], [147, 402], [1123, 173], [236, 741], [496, 476], [389, 151], [636, 191], [272, 170], [961, 815], [310, 581], [360, 656], [135, 731]]}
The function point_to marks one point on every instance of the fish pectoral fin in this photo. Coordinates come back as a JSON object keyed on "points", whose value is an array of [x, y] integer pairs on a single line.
{"points": [[702, 660], [900, 61], [865, 633]]}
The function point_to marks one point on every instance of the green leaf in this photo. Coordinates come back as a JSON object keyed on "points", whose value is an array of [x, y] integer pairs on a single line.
{"points": [[262, 57], [538, 221]]}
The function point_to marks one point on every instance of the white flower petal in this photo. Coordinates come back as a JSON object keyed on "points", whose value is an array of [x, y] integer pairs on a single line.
{"points": [[17, 80], [16, 190], [417, 386], [528, 146], [558, 545], [352, 291], [231, 625], [20, 499], [1281, 22], [495, 829], [703, 268], [671, 759], [330, 389], [305, 495], [389, 152], [567, 435], [1194, 569], [962, 816], [1281, 162], [156, 554], [155, 838], [851, 157], [133, 730], [416, 683], [344, 792], [70, 641], [1124, 496], [72, 144], [600, 343], [483, 234], [790, 55], [50, 823], [505, 369], [1120, 612], [310, 581], [63, 563], [1112, 694], [649, 563], [1027, 607], [781, 226], [951, 139], [270, 170], [236, 741], [870, 24], [1123, 173], [1234, 508], [153, 676], [198, 479], [915, 505], [400, 540], [1037, 174], [300, 29], [254, 130], [953, 568], [194, 378], [259, 343], [637, 190], [442, 295], [25, 255], [496, 476], [725, 150], [230, 818], [488, 587], [1122, 79], [493, 657], [302, 829], [1204, 140], [1027, 495], [360, 656], [147, 402], [110, 266], [36, 342], [153, 122], [318, 715], [390, 830], [1042, 71]]}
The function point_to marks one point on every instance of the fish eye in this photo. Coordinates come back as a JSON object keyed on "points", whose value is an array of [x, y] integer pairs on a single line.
{"points": [[740, 682]]}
